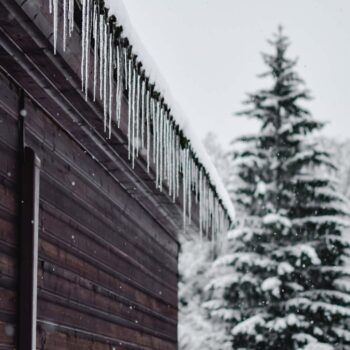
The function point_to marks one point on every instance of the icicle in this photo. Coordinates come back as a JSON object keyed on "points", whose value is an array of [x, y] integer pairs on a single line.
{"points": [[126, 69], [119, 88], [83, 42], [169, 161], [143, 102], [64, 24], [110, 92], [205, 216], [55, 24], [203, 206], [206, 201], [169, 147], [129, 106], [137, 114], [177, 165], [50, 6], [148, 131], [101, 42], [154, 120], [134, 116], [189, 190], [161, 147], [197, 184], [105, 75], [170, 155], [169, 144], [200, 206], [174, 165], [166, 155], [95, 36], [87, 47], [157, 118], [70, 16], [184, 185], [168, 158]]}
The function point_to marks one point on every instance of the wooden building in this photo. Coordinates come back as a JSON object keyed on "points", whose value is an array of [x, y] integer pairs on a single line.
{"points": [[88, 236]]}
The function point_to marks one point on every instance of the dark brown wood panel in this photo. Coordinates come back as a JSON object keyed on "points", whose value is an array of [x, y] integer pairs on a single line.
{"points": [[8, 211], [108, 239]]}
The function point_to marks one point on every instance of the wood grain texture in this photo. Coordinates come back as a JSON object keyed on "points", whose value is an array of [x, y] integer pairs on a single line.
{"points": [[9, 178], [108, 240]]}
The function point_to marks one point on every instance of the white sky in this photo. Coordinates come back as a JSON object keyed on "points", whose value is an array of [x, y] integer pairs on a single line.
{"points": [[209, 53]]}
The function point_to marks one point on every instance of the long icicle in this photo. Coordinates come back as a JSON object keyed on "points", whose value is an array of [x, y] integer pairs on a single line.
{"points": [[71, 16], [161, 147], [126, 68], [87, 48], [118, 93], [148, 131], [189, 189], [110, 92], [174, 165], [143, 107], [129, 106], [55, 25], [101, 42], [165, 147], [200, 205], [155, 137], [95, 37], [177, 165], [157, 143], [83, 43], [105, 73], [184, 178], [134, 116], [64, 24], [137, 114], [168, 160]]}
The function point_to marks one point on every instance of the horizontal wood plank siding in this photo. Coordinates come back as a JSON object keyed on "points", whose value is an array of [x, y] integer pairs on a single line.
{"points": [[107, 272], [9, 178]]}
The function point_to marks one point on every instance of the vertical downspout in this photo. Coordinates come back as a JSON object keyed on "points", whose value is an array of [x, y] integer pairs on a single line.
{"points": [[29, 180]]}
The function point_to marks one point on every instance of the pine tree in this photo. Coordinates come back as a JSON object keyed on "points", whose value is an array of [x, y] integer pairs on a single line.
{"points": [[282, 283]]}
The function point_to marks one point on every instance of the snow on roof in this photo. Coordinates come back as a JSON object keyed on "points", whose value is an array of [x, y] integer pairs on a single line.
{"points": [[118, 9]]}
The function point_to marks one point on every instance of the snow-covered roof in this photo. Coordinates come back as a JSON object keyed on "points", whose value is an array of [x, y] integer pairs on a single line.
{"points": [[156, 123]]}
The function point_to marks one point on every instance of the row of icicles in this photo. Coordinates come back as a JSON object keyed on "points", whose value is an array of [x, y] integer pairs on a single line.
{"points": [[151, 128]]}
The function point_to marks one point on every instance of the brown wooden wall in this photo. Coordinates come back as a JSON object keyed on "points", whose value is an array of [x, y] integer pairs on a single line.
{"points": [[107, 276], [107, 271], [9, 179]]}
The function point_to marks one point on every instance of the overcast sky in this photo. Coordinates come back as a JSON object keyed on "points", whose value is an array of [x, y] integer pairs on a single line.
{"points": [[209, 53]]}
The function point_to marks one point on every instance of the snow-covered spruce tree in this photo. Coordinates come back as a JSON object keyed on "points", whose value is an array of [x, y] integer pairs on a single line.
{"points": [[282, 283]]}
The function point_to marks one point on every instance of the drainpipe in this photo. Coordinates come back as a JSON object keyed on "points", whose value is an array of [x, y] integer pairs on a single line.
{"points": [[28, 238]]}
